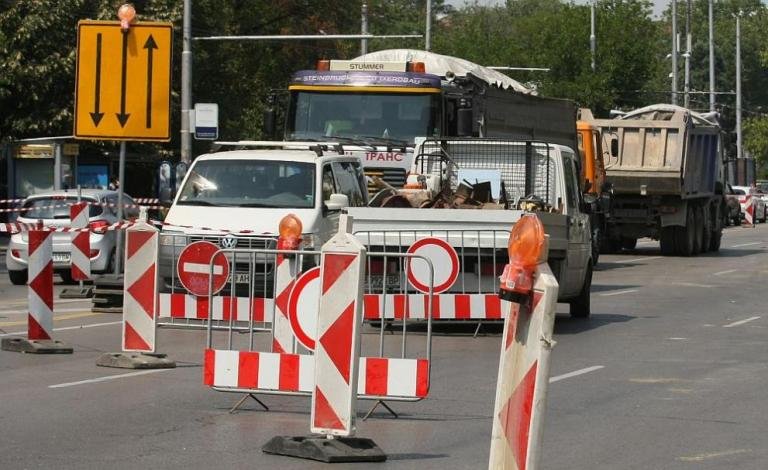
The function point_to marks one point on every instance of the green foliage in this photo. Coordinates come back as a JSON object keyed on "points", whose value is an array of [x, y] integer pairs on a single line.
{"points": [[755, 132]]}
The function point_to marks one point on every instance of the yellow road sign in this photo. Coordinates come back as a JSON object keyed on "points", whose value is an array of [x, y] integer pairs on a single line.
{"points": [[123, 85]]}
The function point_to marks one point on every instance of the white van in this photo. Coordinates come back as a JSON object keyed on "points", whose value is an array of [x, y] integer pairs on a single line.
{"points": [[236, 199]]}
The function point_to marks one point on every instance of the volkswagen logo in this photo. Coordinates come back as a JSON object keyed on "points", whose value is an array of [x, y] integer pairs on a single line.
{"points": [[228, 242]]}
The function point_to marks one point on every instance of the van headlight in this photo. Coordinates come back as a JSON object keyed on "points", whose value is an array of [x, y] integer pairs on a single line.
{"points": [[178, 239]]}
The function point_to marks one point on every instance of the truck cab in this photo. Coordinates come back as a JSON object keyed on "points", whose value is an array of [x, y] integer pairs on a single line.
{"points": [[236, 199]]}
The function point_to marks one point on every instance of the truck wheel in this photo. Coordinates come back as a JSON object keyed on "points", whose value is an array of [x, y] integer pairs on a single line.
{"points": [[714, 242], [709, 222], [580, 307], [685, 237], [698, 230], [628, 243], [667, 241]]}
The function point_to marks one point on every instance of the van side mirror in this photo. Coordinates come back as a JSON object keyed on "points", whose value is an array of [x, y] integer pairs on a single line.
{"points": [[269, 122], [335, 203], [464, 124], [615, 147]]}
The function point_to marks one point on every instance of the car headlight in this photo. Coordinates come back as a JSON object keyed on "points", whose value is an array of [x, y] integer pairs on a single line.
{"points": [[173, 239]]}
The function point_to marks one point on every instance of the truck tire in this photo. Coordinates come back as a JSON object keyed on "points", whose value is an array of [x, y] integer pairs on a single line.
{"points": [[714, 242], [580, 307], [667, 241], [698, 230], [628, 243], [685, 237]]}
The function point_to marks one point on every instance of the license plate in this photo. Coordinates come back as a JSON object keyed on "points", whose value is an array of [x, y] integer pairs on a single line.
{"points": [[61, 257], [376, 281]]}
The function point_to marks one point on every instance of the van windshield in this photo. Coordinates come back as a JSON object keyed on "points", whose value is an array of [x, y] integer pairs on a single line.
{"points": [[249, 183]]}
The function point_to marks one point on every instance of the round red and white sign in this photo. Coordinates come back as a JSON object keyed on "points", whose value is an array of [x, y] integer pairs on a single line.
{"points": [[193, 267], [303, 307], [445, 262]]}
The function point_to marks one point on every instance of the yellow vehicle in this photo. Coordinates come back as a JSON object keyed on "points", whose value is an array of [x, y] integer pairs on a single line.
{"points": [[592, 180]]}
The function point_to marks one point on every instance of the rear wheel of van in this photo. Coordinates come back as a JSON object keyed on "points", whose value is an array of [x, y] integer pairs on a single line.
{"points": [[581, 306], [18, 278]]}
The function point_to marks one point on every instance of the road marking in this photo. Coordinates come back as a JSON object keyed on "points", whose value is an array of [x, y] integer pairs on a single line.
{"points": [[64, 328], [575, 373], [71, 316], [740, 322], [745, 244], [628, 291], [691, 284], [107, 378], [712, 455], [728, 271], [59, 310], [634, 260]]}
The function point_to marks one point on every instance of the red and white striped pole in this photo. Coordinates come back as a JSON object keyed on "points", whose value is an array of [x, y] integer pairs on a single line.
{"points": [[40, 285], [39, 298], [521, 390], [81, 242], [749, 210], [140, 301]]}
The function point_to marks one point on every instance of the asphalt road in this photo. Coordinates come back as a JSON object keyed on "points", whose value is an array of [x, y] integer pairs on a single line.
{"points": [[670, 372]]}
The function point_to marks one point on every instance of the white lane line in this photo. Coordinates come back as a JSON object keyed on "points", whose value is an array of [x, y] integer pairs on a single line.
{"points": [[740, 322], [609, 294], [55, 311], [722, 273], [745, 244], [634, 260], [64, 328], [107, 378], [693, 284], [575, 373]]}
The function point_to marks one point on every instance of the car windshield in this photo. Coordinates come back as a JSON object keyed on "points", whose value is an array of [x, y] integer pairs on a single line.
{"points": [[739, 192], [250, 183], [390, 116], [54, 207]]}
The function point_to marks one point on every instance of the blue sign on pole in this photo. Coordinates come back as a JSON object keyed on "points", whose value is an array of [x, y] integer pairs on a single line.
{"points": [[206, 121]]}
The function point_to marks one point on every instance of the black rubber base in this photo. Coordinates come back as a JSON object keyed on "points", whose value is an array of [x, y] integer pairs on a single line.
{"points": [[336, 450]]}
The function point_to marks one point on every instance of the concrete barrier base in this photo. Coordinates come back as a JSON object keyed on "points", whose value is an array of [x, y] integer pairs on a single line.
{"points": [[336, 450], [135, 360], [34, 346]]}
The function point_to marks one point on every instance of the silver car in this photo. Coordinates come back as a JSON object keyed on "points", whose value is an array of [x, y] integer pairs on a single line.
{"points": [[53, 210]]}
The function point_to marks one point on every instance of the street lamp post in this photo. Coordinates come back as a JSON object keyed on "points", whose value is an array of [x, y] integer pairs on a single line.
{"points": [[592, 36], [739, 150], [674, 52], [711, 58]]}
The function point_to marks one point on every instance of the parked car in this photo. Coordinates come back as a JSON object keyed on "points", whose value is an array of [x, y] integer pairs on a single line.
{"points": [[53, 210], [760, 212], [733, 214]]}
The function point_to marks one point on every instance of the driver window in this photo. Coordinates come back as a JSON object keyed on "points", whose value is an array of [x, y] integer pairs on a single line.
{"points": [[329, 186]]}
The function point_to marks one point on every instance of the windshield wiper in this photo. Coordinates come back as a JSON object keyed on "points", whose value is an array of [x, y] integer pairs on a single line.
{"points": [[254, 204], [198, 202]]}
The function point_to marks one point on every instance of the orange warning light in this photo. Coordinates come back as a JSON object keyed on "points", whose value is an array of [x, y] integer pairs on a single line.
{"points": [[290, 233], [126, 13], [526, 240]]}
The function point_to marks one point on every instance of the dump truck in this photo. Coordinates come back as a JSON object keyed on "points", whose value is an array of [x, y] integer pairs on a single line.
{"points": [[592, 180], [665, 169], [377, 104], [469, 192]]}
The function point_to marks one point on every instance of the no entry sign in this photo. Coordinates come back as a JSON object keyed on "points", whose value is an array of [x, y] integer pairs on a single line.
{"points": [[194, 268], [445, 262], [303, 305]]}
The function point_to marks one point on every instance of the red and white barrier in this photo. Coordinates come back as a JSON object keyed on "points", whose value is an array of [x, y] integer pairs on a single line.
{"points": [[749, 210], [338, 340], [196, 308], [523, 378], [40, 286], [283, 339], [140, 288], [253, 371], [81, 242], [445, 306]]}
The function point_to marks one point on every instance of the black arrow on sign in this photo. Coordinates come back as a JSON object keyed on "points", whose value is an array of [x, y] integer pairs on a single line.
{"points": [[122, 116], [96, 115], [150, 46]]}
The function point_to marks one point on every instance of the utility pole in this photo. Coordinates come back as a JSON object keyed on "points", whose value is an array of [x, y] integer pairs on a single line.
{"points": [[711, 57], [739, 150], [674, 51], [428, 33], [186, 82], [364, 27], [592, 37], [687, 98]]}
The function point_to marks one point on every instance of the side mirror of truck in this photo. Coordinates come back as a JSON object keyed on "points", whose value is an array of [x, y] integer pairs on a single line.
{"points": [[464, 124], [269, 126], [615, 147], [335, 203]]}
